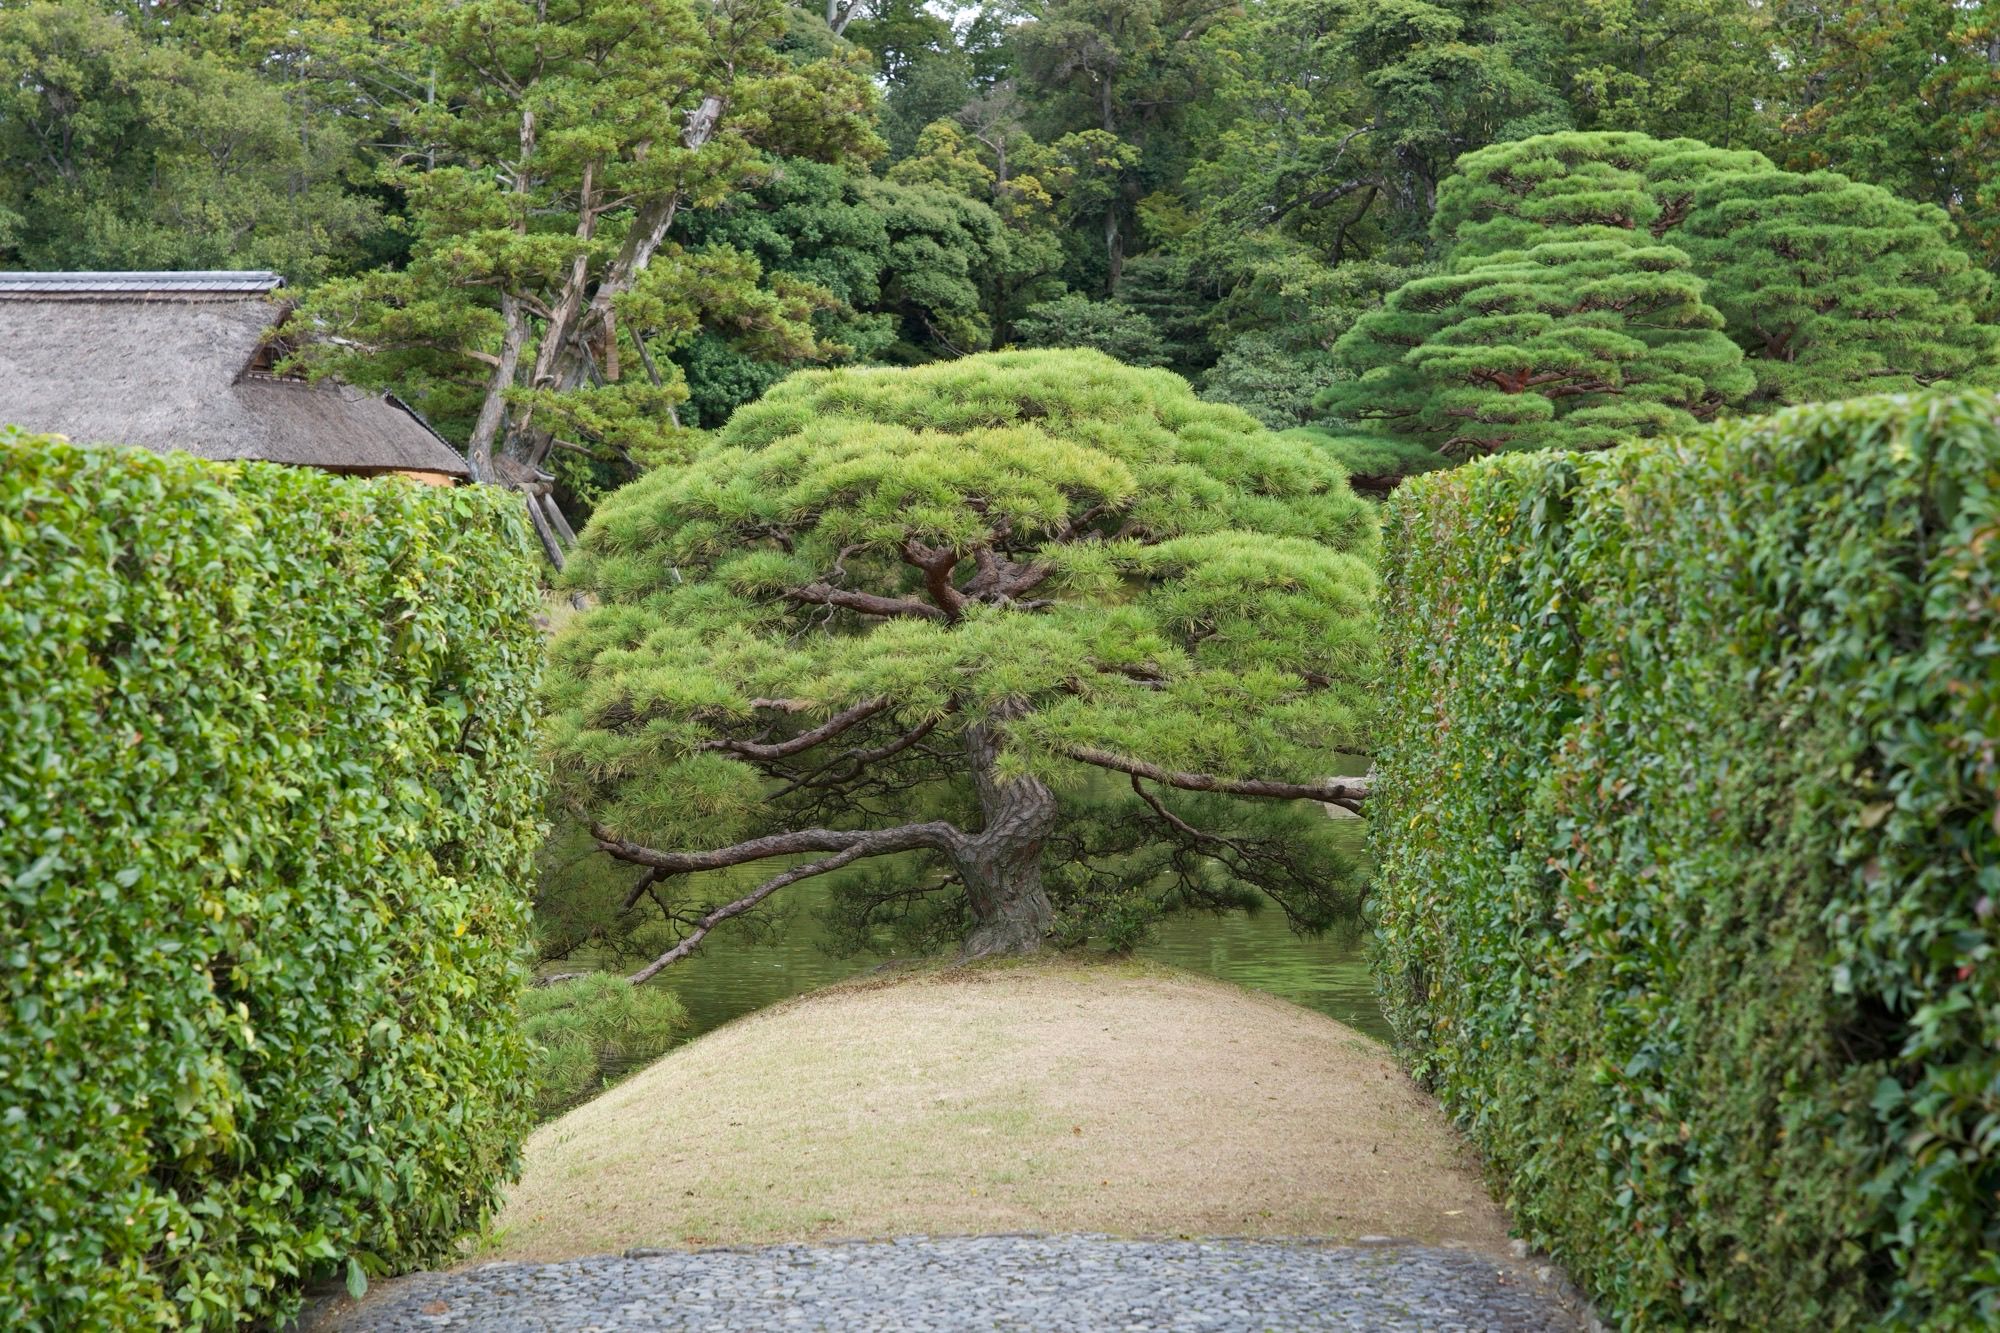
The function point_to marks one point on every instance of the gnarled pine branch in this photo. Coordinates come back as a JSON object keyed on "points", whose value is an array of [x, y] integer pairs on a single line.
{"points": [[805, 740], [867, 603], [847, 847], [936, 835], [749, 900], [1348, 793]]}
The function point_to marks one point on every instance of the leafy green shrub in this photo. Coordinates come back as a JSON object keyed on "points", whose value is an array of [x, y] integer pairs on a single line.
{"points": [[267, 803], [1275, 378], [1688, 855], [585, 1032], [1074, 320]]}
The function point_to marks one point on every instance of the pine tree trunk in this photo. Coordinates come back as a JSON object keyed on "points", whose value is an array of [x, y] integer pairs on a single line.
{"points": [[493, 410], [1002, 864], [559, 363]]}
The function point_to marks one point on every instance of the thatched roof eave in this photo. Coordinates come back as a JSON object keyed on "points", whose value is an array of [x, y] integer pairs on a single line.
{"points": [[172, 374]]}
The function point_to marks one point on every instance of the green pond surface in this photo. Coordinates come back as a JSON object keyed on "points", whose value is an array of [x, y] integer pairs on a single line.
{"points": [[734, 975]]}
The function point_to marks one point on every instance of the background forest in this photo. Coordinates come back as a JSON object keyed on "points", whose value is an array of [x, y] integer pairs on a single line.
{"points": [[572, 232]]}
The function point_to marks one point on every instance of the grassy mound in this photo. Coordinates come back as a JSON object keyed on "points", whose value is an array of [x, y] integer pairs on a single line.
{"points": [[1122, 1098]]}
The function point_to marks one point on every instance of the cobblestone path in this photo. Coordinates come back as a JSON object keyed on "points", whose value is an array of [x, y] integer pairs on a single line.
{"points": [[1043, 1284]]}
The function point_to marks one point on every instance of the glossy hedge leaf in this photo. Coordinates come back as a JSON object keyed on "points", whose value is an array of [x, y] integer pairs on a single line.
{"points": [[265, 747], [1687, 854]]}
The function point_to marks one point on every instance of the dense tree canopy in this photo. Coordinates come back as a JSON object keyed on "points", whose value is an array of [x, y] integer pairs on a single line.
{"points": [[1607, 286], [1579, 342], [567, 141], [900, 260], [574, 234], [1029, 633], [123, 153], [1111, 327]]}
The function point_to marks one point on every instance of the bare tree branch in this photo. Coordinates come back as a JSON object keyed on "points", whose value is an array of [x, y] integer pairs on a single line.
{"points": [[856, 760], [868, 604], [742, 905], [1174, 821], [646, 881]]}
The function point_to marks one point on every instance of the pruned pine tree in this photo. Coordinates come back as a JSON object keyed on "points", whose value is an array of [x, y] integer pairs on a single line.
{"points": [[1577, 343], [1834, 288], [956, 625], [1516, 194], [1831, 287]]}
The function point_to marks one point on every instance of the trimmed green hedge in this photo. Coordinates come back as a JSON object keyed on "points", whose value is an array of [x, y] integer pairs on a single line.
{"points": [[268, 803], [1689, 848]]}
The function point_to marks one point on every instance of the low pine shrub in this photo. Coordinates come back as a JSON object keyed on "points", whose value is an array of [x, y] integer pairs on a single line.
{"points": [[588, 1031], [267, 806], [1689, 847]]}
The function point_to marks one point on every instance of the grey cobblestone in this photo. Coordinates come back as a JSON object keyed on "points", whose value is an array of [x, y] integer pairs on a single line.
{"points": [[1048, 1284]]}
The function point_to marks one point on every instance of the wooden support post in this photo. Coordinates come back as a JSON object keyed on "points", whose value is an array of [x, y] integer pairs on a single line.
{"points": [[561, 524], [550, 547]]}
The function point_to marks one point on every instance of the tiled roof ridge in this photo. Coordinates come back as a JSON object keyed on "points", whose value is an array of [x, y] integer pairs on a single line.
{"points": [[249, 282]]}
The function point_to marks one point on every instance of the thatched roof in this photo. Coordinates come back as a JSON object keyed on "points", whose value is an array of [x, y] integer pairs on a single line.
{"points": [[130, 359]]}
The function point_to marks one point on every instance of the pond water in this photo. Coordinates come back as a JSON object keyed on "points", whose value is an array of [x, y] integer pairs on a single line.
{"points": [[737, 973], [734, 975]]}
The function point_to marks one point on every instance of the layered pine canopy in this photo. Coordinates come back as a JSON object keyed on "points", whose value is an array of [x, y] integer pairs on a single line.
{"points": [[799, 628]]}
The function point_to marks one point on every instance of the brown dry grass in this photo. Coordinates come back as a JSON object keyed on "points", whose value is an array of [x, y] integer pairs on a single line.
{"points": [[1055, 1097]]}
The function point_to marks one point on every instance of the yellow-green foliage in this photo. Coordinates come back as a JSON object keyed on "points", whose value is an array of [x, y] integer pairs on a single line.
{"points": [[267, 803], [590, 1030], [1688, 834], [1211, 607]]}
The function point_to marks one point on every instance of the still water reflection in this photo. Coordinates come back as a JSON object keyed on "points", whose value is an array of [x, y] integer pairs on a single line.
{"points": [[734, 975]]}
